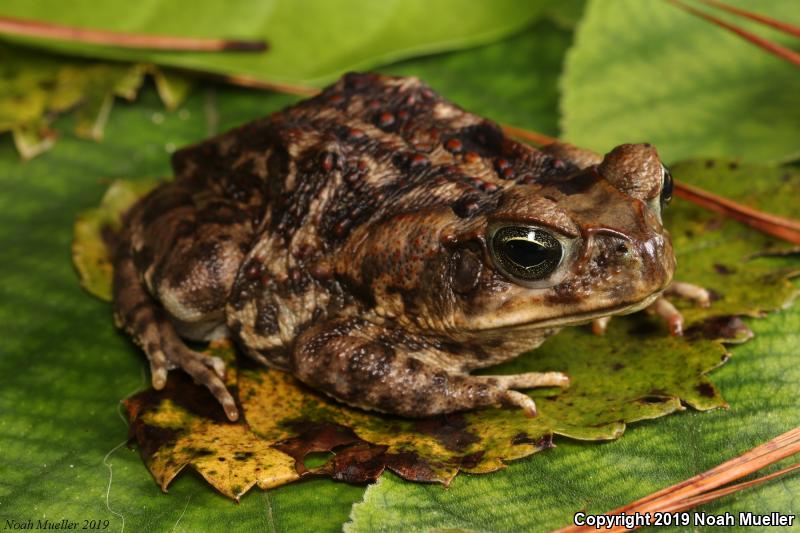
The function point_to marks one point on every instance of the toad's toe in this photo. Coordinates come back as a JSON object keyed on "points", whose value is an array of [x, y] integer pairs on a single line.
{"points": [[689, 291], [664, 309], [523, 401], [208, 371]]}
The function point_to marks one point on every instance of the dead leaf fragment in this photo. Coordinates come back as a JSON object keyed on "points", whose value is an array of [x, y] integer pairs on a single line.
{"points": [[37, 87]]}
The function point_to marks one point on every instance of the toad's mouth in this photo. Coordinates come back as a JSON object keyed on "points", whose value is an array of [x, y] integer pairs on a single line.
{"points": [[573, 320]]}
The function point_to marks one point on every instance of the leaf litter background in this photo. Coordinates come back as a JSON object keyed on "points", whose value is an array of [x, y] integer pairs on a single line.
{"points": [[59, 398]]}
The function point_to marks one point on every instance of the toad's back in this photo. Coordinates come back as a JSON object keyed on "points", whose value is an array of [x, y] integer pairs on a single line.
{"points": [[367, 148]]}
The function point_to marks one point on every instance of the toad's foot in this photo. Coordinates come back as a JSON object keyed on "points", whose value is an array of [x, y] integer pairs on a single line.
{"points": [[346, 359], [528, 380], [664, 308], [145, 321], [206, 370], [689, 291], [599, 325]]}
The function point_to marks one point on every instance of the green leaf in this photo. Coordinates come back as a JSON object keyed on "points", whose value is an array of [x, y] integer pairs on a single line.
{"points": [[648, 71], [64, 367], [721, 255], [501, 80], [310, 42]]}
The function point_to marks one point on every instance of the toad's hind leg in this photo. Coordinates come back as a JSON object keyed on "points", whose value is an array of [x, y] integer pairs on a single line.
{"points": [[348, 360], [146, 322], [173, 272]]}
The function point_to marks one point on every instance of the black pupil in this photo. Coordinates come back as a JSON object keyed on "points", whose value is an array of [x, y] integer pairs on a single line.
{"points": [[528, 254], [525, 253]]}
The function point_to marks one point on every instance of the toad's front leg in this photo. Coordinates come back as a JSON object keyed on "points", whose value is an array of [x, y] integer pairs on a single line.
{"points": [[664, 309], [347, 359]]}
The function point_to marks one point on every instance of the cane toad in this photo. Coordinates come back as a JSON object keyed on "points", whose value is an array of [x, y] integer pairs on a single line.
{"points": [[380, 243]]}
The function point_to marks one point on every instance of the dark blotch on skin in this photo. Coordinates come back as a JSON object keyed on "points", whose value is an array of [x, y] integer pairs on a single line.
{"points": [[579, 184], [564, 293], [467, 206], [465, 269], [266, 317]]}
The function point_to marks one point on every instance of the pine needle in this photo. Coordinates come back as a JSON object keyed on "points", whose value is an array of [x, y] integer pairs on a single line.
{"points": [[773, 48], [709, 485]]}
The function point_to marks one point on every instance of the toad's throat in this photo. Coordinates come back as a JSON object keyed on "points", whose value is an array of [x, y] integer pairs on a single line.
{"points": [[574, 320]]}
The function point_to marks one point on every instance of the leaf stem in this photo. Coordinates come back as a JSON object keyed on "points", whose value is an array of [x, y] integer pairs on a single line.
{"points": [[49, 30], [779, 227], [253, 83], [785, 27]]}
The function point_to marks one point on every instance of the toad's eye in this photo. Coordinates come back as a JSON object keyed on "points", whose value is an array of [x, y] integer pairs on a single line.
{"points": [[525, 253], [667, 184]]}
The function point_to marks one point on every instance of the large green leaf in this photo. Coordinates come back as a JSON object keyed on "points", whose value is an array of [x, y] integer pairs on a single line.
{"points": [[516, 78], [310, 41], [63, 366], [650, 71]]}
